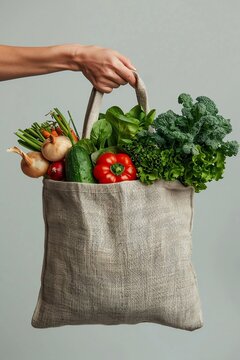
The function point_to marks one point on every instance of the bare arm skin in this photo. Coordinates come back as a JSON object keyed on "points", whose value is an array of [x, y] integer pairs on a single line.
{"points": [[105, 68]]}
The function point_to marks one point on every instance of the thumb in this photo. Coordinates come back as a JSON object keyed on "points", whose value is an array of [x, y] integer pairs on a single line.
{"points": [[127, 62]]}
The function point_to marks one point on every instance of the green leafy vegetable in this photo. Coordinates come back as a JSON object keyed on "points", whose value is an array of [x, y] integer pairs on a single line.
{"points": [[199, 124], [151, 162], [188, 147], [115, 128], [100, 132], [124, 127], [206, 166]]}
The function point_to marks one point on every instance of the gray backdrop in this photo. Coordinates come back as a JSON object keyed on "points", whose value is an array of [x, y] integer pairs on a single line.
{"points": [[178, 45]]}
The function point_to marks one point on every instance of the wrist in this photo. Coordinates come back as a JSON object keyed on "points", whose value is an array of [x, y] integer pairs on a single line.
{"points": [[76, 56], [63, 56], [67, 57]]}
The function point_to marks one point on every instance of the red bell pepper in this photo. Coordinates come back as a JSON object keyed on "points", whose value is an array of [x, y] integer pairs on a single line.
{"points": [[112, 168]]}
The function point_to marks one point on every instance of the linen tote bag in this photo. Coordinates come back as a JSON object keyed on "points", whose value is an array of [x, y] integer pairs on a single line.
{"points": [[117, 253]]}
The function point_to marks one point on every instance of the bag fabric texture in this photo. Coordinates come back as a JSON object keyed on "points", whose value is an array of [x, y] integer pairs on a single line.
{"points": [[117, 253]]}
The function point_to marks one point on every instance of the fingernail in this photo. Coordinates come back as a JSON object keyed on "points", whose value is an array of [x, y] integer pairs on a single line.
{"points": [[132, 67]]}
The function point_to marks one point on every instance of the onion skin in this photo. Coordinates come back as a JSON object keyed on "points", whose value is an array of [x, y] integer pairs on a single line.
{"points": [[55, 148], [33, 164], [56, 171]]}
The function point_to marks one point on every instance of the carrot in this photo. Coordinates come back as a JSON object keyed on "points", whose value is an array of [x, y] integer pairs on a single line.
{"points": [[59, 130], [54, 132], [45, 133], [75, 138]]}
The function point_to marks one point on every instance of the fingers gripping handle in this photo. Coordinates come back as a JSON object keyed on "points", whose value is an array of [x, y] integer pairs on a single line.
{"points": [[95, 102]]}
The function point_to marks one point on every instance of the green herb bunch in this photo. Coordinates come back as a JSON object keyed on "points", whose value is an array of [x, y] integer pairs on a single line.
{"points": [[153, 163]]}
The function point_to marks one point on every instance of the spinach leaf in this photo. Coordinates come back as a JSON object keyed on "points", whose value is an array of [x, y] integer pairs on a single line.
{"points": [[100, 132], [115, 127], [145, 120], [123, 127], [136, 112]]}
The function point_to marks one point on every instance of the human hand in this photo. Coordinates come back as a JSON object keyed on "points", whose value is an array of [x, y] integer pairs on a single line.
{"points": [[105, 68]]}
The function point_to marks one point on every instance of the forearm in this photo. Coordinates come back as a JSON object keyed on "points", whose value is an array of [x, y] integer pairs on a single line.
{"points": [[16, 62], [106, 69]]}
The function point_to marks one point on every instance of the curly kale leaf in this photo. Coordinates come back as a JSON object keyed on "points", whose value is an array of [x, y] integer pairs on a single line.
{"points": [[186, 100], [230, 148], [199, 124], [172, 128], [209, 104], [211, 130]]}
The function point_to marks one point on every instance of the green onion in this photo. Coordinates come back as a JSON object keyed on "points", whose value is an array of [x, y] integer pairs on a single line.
{"points": [[28, 136], [65, 124], [26, 145], [75, 129], [32, 138], [29, 142]]}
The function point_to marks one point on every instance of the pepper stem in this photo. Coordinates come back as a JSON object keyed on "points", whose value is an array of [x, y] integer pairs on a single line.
{"points": [[117, 169]]}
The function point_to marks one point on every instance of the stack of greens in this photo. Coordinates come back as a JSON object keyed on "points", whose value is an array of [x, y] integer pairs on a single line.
{"points": [[189, 147], [114, 129]]}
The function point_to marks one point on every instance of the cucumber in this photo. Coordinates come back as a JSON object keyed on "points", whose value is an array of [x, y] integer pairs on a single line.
{"points": [[78, 165]]}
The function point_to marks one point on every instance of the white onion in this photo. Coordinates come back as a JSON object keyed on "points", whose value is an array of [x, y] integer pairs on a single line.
{"points": [[55, 147], [33, 164]]}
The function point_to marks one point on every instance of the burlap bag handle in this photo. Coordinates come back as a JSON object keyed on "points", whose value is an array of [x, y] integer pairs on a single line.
{"points": [[95, 101]]}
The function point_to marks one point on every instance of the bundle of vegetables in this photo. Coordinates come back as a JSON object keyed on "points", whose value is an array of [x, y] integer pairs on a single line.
{"points": [[122, 146], [49, 142], [188, 147], [58, 150], [108, 133]]}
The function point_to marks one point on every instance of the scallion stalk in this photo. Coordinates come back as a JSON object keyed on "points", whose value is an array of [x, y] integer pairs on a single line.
{"points": [[28, 141], [65, 124], [75, 129], [26, 145]]}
